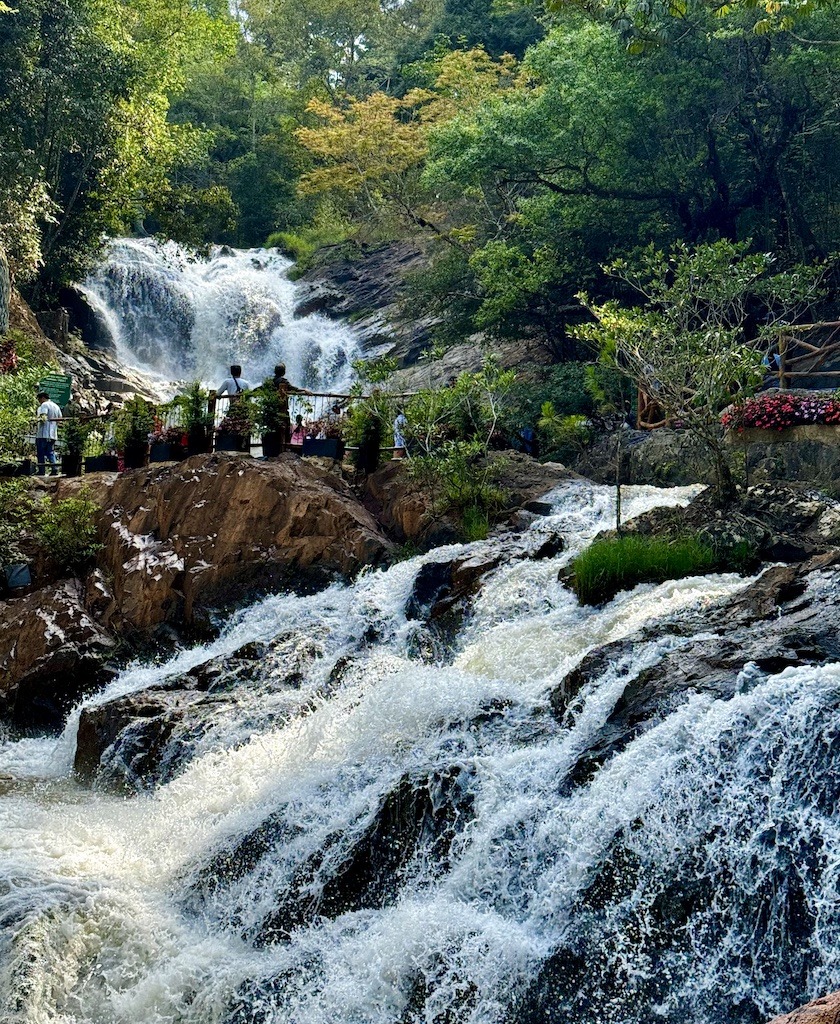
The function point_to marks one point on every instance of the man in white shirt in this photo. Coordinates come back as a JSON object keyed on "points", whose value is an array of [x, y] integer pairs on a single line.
{"points": [[46, 433], [234, 384]]}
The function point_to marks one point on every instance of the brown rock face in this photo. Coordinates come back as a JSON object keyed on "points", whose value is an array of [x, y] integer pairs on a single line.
{"points": [[203, 530], [51, 653], [821, 1011], [404, 511]]}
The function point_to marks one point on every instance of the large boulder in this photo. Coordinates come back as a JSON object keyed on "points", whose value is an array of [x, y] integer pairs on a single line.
{"points": [[405, 510], [52, 652], [789, 617], [135, 741], [215, 528], [366, 284], [780, 523], [825, 1010]]}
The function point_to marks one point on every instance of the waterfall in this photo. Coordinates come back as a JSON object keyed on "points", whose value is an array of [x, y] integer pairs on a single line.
{"points": [[181, 315], [361, 835]]}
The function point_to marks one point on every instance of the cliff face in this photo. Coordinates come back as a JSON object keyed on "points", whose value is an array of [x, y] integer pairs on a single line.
{"points": [[369, 288], [98, 377]]}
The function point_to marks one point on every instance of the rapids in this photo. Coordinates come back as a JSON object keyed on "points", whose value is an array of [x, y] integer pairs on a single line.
{"points": [[177, 314], [658, 890]]}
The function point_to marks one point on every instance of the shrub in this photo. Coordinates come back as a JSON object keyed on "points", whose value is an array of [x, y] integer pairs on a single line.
{"points": [[67, 531], [619, 563], [782, 410], [16, 512], [17, 397], [192, 406], [134, 423], [566, 436], [74, 434], [271, 409], [328, 229]]}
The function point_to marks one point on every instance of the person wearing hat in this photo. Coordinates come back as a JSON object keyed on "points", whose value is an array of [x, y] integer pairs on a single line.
{"points": [[46, 433]]}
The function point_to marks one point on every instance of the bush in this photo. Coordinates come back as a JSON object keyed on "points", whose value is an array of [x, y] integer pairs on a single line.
{"points": [[619, 563], [566, 436], [17, 398], [16, 512], [134, 423], [326, 230], [67, 531]]}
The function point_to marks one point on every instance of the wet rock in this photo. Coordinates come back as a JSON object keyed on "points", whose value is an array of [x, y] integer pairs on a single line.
{"points": [[52, 653], [125, 744], [783, 620], [138, 741], [418, 814], [825, 1010], [397, 501], [779, 523], [366, 284], [538, 508]]}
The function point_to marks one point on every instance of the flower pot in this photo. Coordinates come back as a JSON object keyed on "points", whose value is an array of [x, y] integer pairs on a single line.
{"points": [[198, 441], [227, 442], [102, 464], [17, 575], [325, 448], [166, 451], [136, 456], [71, 465], [272, 444]]}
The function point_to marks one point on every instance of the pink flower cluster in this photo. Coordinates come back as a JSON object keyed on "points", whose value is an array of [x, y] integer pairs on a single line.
{"points": [[780, 411]]}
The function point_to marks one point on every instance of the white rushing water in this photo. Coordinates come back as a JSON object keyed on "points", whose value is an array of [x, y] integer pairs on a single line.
{"points": [[177, 314], [191, 902]]}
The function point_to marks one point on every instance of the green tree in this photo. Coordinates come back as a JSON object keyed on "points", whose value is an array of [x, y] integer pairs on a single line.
{"points": [[689, 347]]}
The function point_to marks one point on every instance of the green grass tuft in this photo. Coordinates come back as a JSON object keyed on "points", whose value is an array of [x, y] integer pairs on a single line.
{"points": [[619, 563]]}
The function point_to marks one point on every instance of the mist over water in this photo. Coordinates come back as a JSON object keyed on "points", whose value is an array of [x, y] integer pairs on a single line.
{"points": [[179, 315], [692, 879]]}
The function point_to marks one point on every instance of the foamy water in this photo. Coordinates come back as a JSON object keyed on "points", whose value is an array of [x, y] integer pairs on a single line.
{"points": [[109, 915]]}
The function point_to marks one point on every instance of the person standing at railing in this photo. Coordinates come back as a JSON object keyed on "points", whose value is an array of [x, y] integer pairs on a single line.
{"points": [[46, 433], [234, 385]]}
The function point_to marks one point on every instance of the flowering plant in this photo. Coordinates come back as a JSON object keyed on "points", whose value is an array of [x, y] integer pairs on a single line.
{"points": [[168, 435], [781, 410]]}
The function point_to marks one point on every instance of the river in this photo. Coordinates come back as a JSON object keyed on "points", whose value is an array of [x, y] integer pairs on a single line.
{"points": [[350, 832]]}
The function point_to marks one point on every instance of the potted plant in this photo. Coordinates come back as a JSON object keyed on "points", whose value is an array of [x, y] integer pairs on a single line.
{"points": [[132, 426], [195, 418], [271, 416], [98, 455], [73, 437], [234, 433], [168, 444]]}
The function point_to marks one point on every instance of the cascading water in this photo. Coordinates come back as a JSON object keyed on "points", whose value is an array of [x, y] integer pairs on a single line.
{"points": [[353, 834], [180, 315]]}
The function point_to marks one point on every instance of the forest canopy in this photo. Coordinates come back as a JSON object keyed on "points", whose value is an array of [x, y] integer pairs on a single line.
{"points": [[523, 146]]}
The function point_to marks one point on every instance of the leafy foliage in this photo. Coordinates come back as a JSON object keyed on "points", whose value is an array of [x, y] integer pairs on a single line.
{"points": [[133, 423], [16, 510], [67, 531], [688, 348], [17, 401]]}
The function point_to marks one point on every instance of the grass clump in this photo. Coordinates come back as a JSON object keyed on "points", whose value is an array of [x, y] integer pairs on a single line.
{"points": [[619, 563]]}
